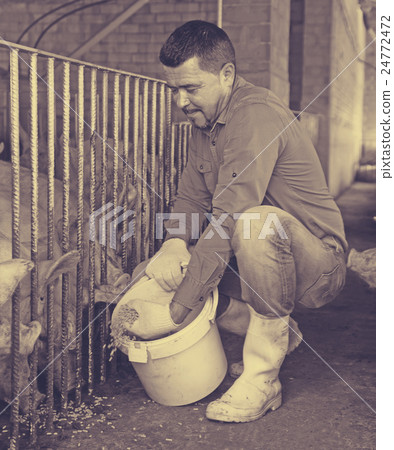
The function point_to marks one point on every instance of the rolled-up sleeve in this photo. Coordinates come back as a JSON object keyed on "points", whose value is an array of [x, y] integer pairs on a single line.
{"points": [[253, 141]]}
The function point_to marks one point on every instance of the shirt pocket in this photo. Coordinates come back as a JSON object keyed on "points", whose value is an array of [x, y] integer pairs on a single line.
{"points": [[205, 168]]}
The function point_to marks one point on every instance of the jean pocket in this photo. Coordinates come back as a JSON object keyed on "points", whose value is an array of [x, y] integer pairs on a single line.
{"points": [[326, 288]]}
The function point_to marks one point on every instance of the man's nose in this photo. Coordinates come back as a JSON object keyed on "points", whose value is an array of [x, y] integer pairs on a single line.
{"points": [[182, 98]]}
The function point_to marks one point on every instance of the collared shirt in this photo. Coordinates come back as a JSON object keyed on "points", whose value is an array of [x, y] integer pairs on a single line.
{"points": [[255, 153]]}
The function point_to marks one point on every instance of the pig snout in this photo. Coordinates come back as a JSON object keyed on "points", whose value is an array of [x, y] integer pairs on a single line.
{"points": [[29, 335], [122, 281]]}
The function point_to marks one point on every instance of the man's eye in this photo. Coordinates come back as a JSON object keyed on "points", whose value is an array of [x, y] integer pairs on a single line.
{"points": [[191, 90], [174, 90]]}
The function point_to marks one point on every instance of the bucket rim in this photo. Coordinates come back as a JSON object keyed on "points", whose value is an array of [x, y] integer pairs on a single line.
{"points": [[208, 310]]}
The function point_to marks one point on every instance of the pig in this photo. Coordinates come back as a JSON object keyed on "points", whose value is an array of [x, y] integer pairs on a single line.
{"points": [[11, 273], [58, 265], [114, 270], [48, 272]]}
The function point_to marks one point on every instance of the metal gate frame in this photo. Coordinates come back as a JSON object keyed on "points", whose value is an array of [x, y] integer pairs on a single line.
{"points": [[150, 160]]}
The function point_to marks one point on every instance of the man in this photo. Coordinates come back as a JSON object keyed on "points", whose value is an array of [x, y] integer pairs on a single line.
{"points": [[251, 165]]}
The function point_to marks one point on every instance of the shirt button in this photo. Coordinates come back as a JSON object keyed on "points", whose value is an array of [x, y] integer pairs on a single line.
{"points": [[220, 276], [201, 167], [234, 174], [201, 299], [213, 143]]}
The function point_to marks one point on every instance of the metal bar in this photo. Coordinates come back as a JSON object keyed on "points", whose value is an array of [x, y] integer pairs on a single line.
{"points": [[186, 129], [135, 249], [173, 171], [144, 196], [103, 254], [168, 168], [78, 62], [220, 13], [15, 202], [65, 234], [152, 178], [115, 154], [33, 92], [113, 227], [51, 116], [79, 298], [126, 187], [162, 118], [178, 158], [103, 267], [92, 205]]}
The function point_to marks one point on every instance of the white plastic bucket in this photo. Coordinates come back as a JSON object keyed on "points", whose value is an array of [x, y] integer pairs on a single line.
{"points": [[184, 367]]}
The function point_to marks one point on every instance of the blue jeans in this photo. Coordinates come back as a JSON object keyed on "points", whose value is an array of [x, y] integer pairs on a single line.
{"points": [[277, 272]]}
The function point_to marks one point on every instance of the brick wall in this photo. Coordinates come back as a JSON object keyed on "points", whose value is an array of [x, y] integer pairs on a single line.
{"points": [[259, 30], [133, 46], [315, 69]]}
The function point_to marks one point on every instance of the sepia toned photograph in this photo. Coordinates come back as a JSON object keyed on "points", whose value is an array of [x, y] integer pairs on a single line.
{"points": [[188, 216]]}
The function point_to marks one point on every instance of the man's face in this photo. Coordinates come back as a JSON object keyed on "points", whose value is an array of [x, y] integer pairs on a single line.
{"points": [[201, 95]]}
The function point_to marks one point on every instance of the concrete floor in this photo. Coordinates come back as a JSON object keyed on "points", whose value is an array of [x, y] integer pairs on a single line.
{"points": [[328, 381]]}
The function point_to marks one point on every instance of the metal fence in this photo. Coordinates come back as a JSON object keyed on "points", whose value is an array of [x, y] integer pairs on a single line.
{"points": [[98, 146]]}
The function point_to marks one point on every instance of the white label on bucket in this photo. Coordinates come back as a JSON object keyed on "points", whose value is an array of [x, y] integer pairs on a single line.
{"points": [[138, 352]]}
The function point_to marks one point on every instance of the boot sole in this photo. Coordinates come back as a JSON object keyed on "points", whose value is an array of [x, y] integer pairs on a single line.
{"points": [[272, 405]]}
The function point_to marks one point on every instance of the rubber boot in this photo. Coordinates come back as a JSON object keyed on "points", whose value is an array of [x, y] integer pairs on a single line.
{"points": [[295, 338], [258, 389], [235, 319]]}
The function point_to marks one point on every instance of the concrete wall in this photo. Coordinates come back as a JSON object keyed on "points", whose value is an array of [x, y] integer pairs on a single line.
{"points": [[333, 36], [369, 120], [259, 30], [346, 94]]}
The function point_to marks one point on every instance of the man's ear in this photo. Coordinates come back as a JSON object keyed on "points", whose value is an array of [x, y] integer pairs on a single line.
{"points": [[228, 73]]}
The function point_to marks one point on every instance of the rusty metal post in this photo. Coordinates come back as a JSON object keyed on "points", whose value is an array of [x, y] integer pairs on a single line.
{"points": [[144, 188], [179, 156], [65, 233], [92, 205], [135, 249], [168, 146], [116, 155], [15, 171], [80, 222], [172, 168], [152, 171], [162, 118], [33, 92], [125, 154], [103, 243]]}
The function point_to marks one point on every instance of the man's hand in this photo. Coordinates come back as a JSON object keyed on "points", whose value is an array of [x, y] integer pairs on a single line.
{"points": [[166, 266], [178, 312]]}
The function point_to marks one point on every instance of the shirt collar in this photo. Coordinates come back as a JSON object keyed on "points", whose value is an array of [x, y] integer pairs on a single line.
{"points": [[238, 82]]}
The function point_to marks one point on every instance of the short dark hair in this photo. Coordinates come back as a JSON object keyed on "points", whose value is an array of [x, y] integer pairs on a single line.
{"points": [[202, 39]]}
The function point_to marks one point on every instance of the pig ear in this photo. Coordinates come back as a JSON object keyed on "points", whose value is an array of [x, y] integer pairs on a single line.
{"points": [[11, 273], [50, 270]]}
